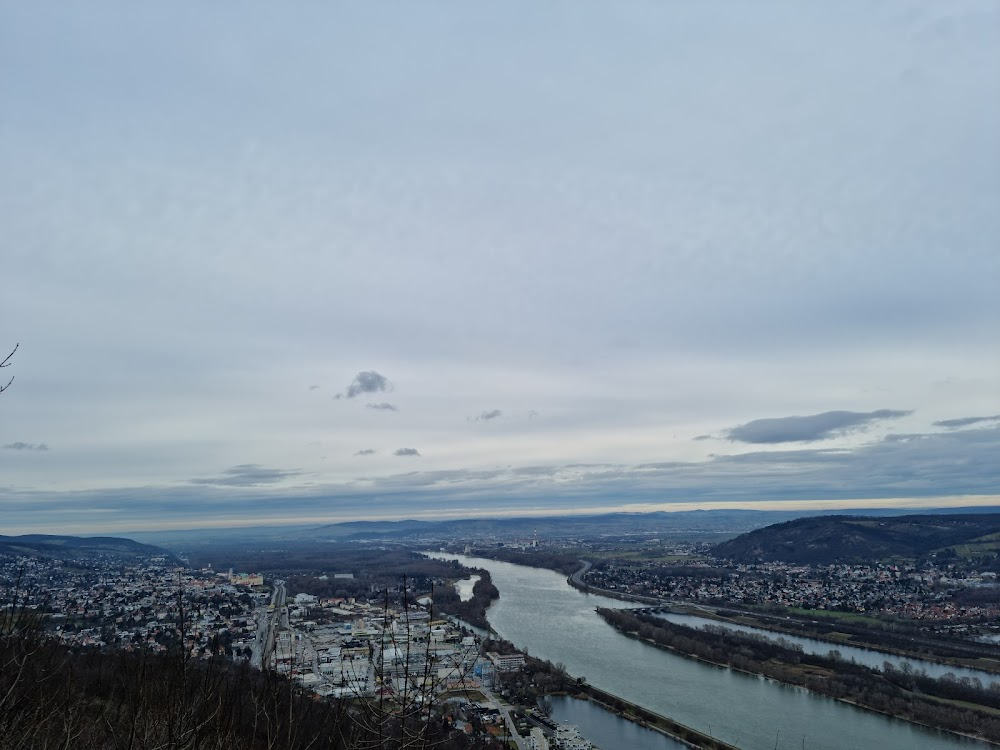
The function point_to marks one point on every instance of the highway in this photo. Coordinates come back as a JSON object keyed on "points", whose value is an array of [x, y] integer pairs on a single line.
{"points": [[577, 577]]}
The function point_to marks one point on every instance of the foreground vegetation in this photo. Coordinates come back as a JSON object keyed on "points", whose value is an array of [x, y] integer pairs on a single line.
{"points": [[54, 697], [961, 706]]}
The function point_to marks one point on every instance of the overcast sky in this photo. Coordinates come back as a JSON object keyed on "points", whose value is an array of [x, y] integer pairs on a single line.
{"points": [[359, 260]]}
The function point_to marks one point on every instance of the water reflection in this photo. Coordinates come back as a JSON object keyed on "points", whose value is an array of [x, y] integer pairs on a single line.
{"points": [[607, 730]]}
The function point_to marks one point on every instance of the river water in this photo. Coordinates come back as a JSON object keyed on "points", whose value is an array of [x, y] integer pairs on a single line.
{"points": [[541, 613], [465, 586], [868, 657], [606, 730]]}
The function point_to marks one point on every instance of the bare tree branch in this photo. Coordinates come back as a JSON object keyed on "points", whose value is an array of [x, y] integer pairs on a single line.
{"points": [[7, 363]]}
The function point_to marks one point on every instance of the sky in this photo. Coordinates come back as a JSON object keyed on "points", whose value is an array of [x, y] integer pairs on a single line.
{"points": [[341, 261]]}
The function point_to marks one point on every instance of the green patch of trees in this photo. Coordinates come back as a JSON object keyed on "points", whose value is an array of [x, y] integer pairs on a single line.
{"points": [[473, 610]]}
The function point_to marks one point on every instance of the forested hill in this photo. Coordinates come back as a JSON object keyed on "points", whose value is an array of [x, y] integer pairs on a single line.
{"points": [[847, 539], [47, 545]]}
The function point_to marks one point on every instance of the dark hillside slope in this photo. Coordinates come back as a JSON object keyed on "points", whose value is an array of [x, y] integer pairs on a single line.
{"points": [[55, 698], [47, 545], [823, 540]]}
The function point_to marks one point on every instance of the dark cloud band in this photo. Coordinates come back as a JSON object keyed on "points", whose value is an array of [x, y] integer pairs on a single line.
{"points": [[247, 475], [954, 424], [808, 428], [486, 416], [21, 446]]}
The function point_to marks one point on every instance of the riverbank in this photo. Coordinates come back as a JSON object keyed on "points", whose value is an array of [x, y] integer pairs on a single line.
{"points": [[540, 678], [845, 682], [473, 609], [815, 625], [839, 634], [647, 719], [539, 611], [850, 644], [577, 582]]}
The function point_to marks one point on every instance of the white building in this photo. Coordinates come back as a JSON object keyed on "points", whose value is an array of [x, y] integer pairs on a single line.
{"points": [[536, 740], [506, 662], [568, 737]]}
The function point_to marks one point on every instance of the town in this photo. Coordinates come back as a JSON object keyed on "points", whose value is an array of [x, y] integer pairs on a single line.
{"points": [[399, 634], [333, 647], [928, 592]]}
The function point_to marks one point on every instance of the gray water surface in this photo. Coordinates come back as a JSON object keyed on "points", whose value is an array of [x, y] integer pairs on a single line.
{"points": [[540, 612], [464, 587], [607, 730]]}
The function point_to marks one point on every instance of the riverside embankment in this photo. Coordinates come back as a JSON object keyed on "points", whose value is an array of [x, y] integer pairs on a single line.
{"points": [[539, 611], [688, 736]]}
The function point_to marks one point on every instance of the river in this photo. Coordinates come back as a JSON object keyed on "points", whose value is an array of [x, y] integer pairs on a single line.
{"points": [[868, 657], [541, 613], [607, 730], [464, 587]]}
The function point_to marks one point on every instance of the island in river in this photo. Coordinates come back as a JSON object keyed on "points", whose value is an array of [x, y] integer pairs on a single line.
{"points": [[539, 611]]}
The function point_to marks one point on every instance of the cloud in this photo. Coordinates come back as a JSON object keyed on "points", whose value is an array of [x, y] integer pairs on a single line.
{"points": [[382, 407], [313, 387], [20, 446], [406, 452], [943, 464], [703, 437], [945, 468], [953, 424], [368, 382], [486, 416], [366, 452], [247, 475], [804, 429]]}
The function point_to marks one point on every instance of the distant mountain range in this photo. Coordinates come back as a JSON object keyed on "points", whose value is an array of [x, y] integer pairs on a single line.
{"points": [[844, 536], [46, 545], [697, 522], [824, 540], [706, 524], [605, 524]]}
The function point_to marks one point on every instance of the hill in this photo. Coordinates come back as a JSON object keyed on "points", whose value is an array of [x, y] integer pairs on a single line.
{"points": [[52, 546], [693, 523], [697, 524], [823, 540]]}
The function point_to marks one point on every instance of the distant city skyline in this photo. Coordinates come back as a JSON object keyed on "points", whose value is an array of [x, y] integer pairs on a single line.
{"points": [[272, 265]]}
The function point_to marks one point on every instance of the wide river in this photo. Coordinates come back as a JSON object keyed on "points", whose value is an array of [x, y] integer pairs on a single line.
{"points": [[541, 613]]}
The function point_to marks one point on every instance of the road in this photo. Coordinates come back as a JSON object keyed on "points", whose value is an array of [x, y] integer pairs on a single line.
{"points": [[577, 577], [508, 720]]}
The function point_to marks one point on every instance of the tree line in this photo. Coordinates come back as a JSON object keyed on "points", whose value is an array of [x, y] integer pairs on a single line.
{"points": [[906, 694], [473, 610], [891, 634]]}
